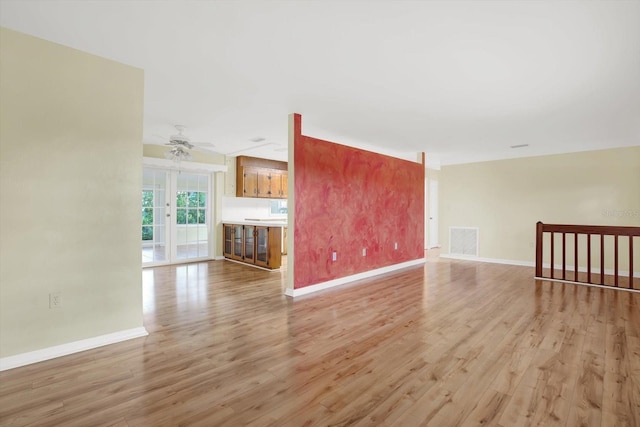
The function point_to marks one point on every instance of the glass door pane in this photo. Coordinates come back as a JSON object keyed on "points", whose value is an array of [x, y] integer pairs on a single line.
{"points": [[191, 218], [154, 213]]}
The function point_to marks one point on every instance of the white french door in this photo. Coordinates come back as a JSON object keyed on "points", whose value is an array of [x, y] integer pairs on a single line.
{"points": [[176, 216], [190, 224], [155, 208]]}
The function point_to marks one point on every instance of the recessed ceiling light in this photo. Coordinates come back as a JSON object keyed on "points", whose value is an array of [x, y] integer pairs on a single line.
{"points": [[257, 139], [520, 146]]}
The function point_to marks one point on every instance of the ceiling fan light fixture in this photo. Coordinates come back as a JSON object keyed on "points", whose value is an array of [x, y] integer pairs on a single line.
{"points": [[179, 144], [178, 153]]}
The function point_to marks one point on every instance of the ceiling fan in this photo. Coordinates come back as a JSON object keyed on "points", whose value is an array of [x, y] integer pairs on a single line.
{"points": [[179, 145], [180, 140]]}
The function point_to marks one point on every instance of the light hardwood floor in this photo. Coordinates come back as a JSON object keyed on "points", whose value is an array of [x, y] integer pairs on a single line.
{"points": [[453, 343]]}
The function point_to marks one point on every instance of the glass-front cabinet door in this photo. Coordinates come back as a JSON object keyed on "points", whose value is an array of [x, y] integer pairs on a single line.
{"points": [[249, 244], [228, 240], [238, 241], [262, 242]]}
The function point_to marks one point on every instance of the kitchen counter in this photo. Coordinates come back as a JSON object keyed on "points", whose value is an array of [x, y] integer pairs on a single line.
{"points": [[258, 222]]}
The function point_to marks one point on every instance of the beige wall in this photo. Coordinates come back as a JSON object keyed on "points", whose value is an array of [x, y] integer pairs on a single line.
{"points": [[432, 174], [230, 177], [70, 182], [506, 198]]}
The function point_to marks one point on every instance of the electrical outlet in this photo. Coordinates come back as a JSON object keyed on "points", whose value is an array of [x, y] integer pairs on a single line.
{"points": [[364, 251], [334, 256], [55, 300], [395, 246]]}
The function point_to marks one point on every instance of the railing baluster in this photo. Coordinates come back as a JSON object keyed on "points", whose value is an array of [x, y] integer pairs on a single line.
{"points": [[564, 256], [575, 256], [602, 259], [615, 257], [539, 238], [553, 258], [588, 257]]}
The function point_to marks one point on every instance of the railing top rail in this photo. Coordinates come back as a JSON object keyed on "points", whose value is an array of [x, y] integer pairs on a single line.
{"points": [[591, 229]]}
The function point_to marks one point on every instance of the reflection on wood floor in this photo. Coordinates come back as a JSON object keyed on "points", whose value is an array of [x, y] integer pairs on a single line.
{"points": [[157, 253], [453, 343]]}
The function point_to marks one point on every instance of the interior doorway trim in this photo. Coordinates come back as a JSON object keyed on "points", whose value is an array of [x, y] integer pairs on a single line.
{"points": [[183, 166]]}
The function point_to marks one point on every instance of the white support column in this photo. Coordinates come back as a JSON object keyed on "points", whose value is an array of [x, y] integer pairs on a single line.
{"points": [[290, 208]]}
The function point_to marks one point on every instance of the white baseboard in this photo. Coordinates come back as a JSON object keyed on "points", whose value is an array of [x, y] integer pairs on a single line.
{"points": [[492, 260], [569, 268], [593, 285], [343, 280], [36, 356], [594, 270]]}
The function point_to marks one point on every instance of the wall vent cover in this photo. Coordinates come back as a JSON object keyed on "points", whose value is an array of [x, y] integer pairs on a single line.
{"points": [[463, 241]]}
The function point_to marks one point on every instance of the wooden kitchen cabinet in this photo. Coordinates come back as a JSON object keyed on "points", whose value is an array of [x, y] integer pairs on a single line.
{"points": [[284, 240], [227, 245], [269, 247], [233, 241], [249, 183], [285, 184], [257, 245], [249, 244], [278, 180], [264, 183], [255, 183], [261, 178]]}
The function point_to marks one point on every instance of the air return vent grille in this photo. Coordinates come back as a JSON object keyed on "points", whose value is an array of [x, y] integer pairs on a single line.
{"points": [[463, 241]]}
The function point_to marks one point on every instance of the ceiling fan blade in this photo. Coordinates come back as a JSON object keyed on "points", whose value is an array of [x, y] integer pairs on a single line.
{"points": [[156, 140]]}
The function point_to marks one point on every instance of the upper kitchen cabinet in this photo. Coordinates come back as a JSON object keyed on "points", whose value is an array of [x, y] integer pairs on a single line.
{"points": [[261, 178], [278, 182]]}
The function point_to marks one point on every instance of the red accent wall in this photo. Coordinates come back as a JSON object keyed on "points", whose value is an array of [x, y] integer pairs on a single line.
{"points": [[347, 199]]}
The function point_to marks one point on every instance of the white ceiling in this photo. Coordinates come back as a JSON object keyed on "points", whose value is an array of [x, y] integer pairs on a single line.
{"points": [[461, 80]]}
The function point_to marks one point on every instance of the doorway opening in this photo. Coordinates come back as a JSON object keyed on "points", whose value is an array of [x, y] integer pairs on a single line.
{"points": [[176, 219]]}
